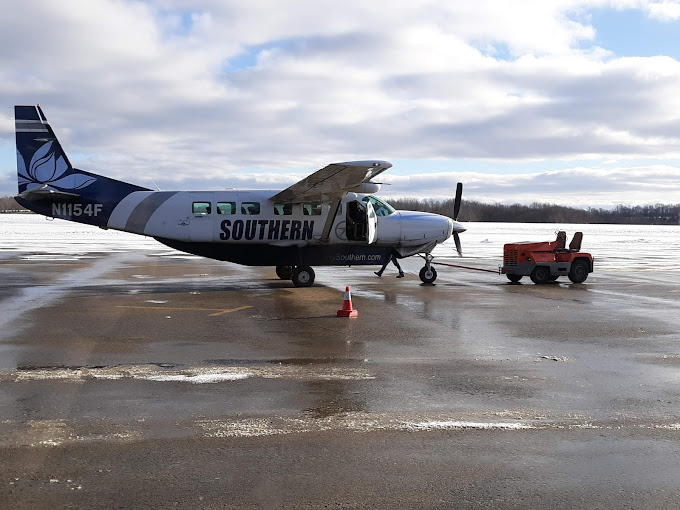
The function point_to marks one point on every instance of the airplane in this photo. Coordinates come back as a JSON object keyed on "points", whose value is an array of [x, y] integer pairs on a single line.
{"points": [[329, 218]]}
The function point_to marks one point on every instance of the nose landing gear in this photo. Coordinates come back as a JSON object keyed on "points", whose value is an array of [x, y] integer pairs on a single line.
{"points": [[428, 274]]}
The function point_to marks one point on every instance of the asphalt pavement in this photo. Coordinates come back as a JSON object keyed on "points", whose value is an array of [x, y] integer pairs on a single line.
{"points": [[134, 380]]}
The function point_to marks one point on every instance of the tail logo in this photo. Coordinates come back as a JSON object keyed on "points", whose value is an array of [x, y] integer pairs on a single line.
{"points": [[46, 169]]}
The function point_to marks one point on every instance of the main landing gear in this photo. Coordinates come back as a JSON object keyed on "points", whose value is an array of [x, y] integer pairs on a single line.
{"points": [[302, 276], [428, 274]]}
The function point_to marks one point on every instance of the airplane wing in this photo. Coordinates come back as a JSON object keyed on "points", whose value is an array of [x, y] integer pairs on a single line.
{"points": [[334, 180]]}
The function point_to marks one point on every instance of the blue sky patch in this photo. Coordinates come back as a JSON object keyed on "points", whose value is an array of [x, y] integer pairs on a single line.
{"points": [[497, 50], [245, 60], [632, 33], [248, 58]]}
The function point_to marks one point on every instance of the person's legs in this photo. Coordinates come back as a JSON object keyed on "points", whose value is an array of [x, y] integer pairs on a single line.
{"points": [[380, 271], [396, 263]]}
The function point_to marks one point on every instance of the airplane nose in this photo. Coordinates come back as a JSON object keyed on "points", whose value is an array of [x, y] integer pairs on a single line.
{"points": [[457, 227]]}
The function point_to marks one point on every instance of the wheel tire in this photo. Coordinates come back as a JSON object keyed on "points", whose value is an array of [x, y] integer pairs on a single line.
{"points": [[284, 272], [579, 271], [303, 276], [514, 278], [540, 275], [554, 278], [428, 275]]}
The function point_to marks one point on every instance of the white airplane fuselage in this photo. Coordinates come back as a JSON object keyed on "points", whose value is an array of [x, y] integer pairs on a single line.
{"points": [[221, 222]]}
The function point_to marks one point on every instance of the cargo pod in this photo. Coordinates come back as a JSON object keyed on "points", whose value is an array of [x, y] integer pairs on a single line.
{"points": [[362, 222]]}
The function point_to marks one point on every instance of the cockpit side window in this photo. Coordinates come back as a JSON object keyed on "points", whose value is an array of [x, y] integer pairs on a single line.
{"points": [[381, 208]]}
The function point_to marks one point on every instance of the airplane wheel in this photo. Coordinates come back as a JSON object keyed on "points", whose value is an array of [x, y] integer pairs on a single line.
{"points": [[284, 272], [303, 276], [579, 271], [514, 278], [428, 275], [540, 274]]}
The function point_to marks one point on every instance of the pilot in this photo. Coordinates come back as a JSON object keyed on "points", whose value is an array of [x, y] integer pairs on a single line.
{"points": [[393, 258]]}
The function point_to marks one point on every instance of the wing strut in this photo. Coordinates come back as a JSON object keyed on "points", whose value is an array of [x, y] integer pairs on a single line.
{"points": [[335, 205]]}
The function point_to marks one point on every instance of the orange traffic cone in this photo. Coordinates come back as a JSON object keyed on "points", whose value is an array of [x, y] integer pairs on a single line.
{"points": [[347, 310]]}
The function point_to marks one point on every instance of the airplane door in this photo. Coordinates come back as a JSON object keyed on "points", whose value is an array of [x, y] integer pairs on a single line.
{"points": [[361, 221], [201, 219], [372, 224]]}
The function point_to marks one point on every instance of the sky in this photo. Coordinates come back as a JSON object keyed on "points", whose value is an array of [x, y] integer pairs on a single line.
{"points": [[572, 102]]}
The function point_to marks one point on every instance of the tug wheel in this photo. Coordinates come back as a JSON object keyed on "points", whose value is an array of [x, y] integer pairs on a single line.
{"points": [[514, 278], [579, 271], [428, 275], [540, 274], [303, 276]]}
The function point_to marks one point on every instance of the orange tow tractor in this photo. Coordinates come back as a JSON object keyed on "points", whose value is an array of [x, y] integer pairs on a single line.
{"points": [[546, 261]]}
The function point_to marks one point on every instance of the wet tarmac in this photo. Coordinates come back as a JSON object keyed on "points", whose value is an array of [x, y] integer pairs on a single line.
{"points": [[142, 380]]}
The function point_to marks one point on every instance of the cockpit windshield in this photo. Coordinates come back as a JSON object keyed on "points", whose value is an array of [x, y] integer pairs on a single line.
{"points": [[381, 208]]}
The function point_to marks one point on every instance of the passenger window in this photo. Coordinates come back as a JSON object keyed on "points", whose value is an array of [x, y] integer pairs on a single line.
{"points": [[200, 207], [250, 208], [311, 208], [283, 209], [226, 207]]}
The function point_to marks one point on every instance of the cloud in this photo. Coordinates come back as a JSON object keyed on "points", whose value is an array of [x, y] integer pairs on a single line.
{"points": [[577, 187], [197, 92], [664, 10]]}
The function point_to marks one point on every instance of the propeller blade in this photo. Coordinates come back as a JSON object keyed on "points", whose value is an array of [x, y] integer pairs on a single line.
{"points": [[456, 239], [456, 203]]}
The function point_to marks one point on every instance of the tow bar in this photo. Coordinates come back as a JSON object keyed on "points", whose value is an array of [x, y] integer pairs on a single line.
{"points": [[497, 271], [428, 274]]}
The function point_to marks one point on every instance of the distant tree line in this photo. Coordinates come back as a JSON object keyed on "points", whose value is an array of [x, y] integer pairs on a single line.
{"points": [[8, 204], [659, 214]]}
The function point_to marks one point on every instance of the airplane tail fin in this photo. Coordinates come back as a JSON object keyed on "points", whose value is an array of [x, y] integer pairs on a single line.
{"points": [[48, 183]]}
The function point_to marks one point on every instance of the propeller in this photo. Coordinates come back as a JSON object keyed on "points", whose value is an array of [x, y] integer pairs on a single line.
{"points": [[456, 203], [456, 210]]}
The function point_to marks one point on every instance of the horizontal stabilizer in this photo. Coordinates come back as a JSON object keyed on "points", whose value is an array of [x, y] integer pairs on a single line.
{"points": [[33, 195]]}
